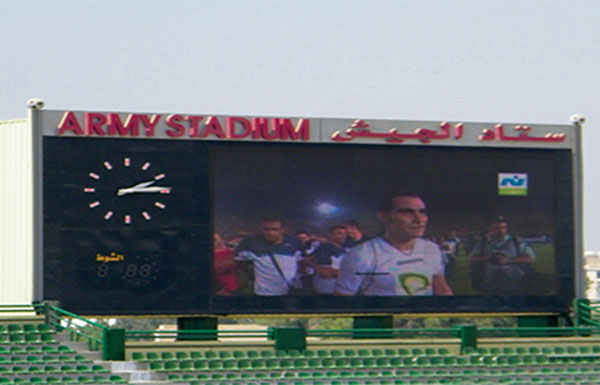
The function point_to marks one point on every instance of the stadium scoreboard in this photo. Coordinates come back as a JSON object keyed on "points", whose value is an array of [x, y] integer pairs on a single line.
{"points": [[131, 203]]}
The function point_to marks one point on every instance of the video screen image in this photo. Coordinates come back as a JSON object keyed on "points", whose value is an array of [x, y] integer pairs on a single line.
{"points": [[383, 221]]}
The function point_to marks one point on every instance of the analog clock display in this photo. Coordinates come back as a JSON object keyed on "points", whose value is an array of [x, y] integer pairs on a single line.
{"points": [[127, 190], [126, 224]]}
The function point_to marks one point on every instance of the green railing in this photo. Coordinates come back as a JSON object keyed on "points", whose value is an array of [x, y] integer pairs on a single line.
{"points": [[111, 341], [98, 337], [586, 312]]}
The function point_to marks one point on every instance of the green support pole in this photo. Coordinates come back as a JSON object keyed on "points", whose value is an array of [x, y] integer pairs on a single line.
{"points": [[198, 323], [292, 338], [373, 322], [113, 344], [468, 337]]}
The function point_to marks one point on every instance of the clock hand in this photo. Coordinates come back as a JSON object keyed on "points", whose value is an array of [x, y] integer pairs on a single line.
{"points": [[132, 189], [153, 189], [143, 184]]}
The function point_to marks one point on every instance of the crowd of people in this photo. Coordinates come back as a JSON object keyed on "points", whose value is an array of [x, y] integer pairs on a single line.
{"points": [[346, 262]]}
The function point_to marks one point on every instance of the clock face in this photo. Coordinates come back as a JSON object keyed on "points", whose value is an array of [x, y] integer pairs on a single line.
{"points": [[126, 190]]}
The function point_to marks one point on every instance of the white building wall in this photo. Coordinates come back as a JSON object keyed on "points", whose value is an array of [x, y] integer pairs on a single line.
{"points": [[16, 212]]}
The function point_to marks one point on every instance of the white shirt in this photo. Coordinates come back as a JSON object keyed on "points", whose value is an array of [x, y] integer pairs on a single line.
{"points": [[377, 268]]}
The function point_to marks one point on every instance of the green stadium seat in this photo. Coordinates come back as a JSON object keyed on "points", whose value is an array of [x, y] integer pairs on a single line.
{"points": [[430, 351], [244, 364], [286, 363], [443, 351], [390, 352], [328, 363], [383, 362], [211, 355], [238, 354], [508, 350], [363, 353], [403, 352], [417, 352], [171, 366], [16, 338], [300, 363], [14, 328], [44, 328]]}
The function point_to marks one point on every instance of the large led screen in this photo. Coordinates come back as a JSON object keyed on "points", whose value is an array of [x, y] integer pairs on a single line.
{"points": [[191, 227]]}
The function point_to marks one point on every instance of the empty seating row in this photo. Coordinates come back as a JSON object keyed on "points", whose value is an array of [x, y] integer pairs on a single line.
{"points": [[360, 362], [55, 380], [24, 328], [34, 349], [240, 354], [55, 358], [24, 369], [583, 349], [27, 338]]}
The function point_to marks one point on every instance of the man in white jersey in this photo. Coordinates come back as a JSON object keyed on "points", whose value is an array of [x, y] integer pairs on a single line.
{"points": [[400, 261], [272, 257]]}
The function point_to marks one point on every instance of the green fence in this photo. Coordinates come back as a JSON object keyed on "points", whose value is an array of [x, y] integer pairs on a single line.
{"points": [[111, 341]]}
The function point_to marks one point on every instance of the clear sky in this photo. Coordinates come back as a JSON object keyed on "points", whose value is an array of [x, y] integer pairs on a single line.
{"points": [[492, 61]]}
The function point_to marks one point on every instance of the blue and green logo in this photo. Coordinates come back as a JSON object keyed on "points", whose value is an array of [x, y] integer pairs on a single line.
{"points": [[511, 183]]}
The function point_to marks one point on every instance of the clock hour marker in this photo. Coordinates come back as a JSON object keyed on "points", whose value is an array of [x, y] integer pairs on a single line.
{"points": [[159, 176], [94, 204], [160, 205], [146, 166], [94, 176], [108, 215], [165, 191], [89, 190], [127, 162], [108, 165], [146, 216], [127, 219]]}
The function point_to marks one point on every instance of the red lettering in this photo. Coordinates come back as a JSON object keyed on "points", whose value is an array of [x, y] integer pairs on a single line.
{"points": [[194, 121], [213, 127], [150, 124], [115, 126], [245, 124], [173, 121], [260, 128], [93, 122], [69, 123], [288, 131]]}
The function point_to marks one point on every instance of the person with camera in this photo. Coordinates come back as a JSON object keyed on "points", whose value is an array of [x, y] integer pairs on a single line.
{"points": [[499, 263]]}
